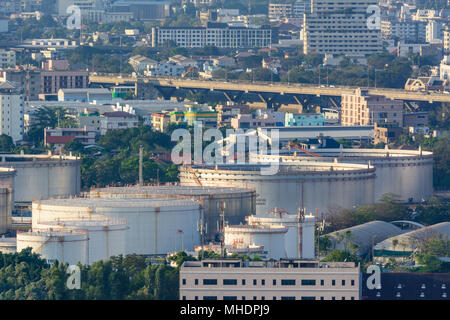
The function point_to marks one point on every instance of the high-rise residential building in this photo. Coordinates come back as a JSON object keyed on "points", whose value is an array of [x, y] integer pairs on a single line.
{"points": [[233, 279], [362, 109], [7, 58], [341, 27], [446, 33], [404, 30], [435, 32], [11, 110], [219, 35], [280, 10]]}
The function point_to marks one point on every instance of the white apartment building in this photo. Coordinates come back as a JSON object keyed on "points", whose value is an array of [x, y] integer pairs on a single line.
{"points": [[219, 35], [280, 10], [435, 32], [117, 120], [362, 109], [340, 27], [12, 109], [234, 279], [404, 30], [7, 58]]}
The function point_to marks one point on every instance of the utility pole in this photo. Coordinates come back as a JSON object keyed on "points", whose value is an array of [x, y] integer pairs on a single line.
{"points": [[222, 227], [141, 156]]}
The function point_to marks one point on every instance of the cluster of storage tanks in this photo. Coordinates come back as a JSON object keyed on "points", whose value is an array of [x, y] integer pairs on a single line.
{"points": [[343, 178], [24, 178], [132, 220]]}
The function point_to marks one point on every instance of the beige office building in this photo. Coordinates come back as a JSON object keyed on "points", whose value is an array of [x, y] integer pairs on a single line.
{"points": [[340, 27], [269, 280], [362, 109]]}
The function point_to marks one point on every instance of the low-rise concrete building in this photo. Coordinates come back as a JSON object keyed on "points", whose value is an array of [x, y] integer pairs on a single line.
{"points": [[235, 279], [117, 120], [304, 119], [160, 121], [386, 132]]}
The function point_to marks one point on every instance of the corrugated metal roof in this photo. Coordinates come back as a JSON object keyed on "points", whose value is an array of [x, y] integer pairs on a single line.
{"points": [[364, 234]]}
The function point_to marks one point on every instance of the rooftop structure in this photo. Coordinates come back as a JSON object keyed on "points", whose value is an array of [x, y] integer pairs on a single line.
{"points": [[233, 279]]}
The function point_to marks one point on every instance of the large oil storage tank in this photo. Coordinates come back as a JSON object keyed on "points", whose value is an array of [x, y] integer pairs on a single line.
{"points": [[406, 173], [106, 236], [66, 247], [155, 226], [269, 236], [6, 198], [43, 176], [311, 185], [239, 202]]}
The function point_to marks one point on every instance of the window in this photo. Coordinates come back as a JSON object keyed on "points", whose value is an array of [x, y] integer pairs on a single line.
{"points": [[288, 282], [287, 298], [274, 298], [229, 298], [274, 282], [322, 282], [196, 297], [308, 282], [333, 282], [263, 282], [184, 282], [308, 298], [229, 282], [209, 282], [322, 298], [209, 297], [353, 282], [343, 298], [196, 281], [333, 298], [254, 298], [243, 282], [343, 282], [184, 297], [254, 282]]}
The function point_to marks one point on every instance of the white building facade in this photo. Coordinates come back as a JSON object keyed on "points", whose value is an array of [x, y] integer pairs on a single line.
{"points": [[12, 109]]}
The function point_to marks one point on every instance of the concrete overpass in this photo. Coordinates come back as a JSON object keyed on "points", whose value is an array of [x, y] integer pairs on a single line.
{"points": [[268, 92]]}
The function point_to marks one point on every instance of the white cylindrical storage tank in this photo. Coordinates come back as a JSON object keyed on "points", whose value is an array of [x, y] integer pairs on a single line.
{"points": [[271, 237], [106, 236], [6, 198], [66, 247], [156, 227], [7, 245], [238, 201], [299, 239], [406, 173], [43, 176], [304, 184]]}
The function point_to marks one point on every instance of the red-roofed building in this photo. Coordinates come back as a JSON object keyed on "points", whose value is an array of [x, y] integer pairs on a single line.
{"points": [[117, 120], [58, 137]]}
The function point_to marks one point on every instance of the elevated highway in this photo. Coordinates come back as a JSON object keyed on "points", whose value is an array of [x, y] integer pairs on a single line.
{"points": [[267, 91]]}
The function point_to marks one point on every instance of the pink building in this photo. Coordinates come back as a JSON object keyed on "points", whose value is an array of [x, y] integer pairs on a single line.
{"points": [[362, 109], [56, 75]]}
